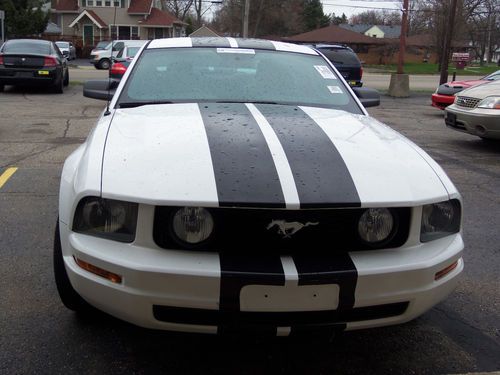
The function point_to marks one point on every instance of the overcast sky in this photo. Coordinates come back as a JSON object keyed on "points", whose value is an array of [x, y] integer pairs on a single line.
{"points": [[350, 7]]}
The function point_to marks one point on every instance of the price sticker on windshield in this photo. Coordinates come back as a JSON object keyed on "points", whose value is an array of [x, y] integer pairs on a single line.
{"points": [[335, 90], [325, 72]]}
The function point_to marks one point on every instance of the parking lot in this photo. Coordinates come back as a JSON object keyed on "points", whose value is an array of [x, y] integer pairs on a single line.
{"points": [[38, 335]]}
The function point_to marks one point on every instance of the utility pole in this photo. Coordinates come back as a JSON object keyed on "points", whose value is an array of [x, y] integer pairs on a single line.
{"points": [[447, 44], [402, 38], [246, 14]]}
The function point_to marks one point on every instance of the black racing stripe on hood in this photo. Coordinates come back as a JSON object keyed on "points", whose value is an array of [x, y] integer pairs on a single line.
{"points": [[244, 169], [320, 173], [239, 270], [256, 44], [210, 42], [324, 269]]}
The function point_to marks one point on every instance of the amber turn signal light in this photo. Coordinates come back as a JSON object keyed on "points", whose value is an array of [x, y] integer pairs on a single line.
{"points": [[113, 277], [445, 271]]}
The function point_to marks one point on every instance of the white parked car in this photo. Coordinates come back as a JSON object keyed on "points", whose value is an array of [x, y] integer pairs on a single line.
{"points": [[67, 49], [238, 183], [101, 56]]}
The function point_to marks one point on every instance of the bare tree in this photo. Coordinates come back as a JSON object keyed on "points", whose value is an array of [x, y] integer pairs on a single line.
{"points": [[179, 8]]}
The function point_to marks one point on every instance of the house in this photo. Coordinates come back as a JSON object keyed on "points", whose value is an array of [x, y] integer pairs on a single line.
{"points": [[203, 31], [89, 21], [335, 35], [374, 31]]}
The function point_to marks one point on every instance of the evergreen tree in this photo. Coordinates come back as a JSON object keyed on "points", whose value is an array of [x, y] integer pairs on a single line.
{"points": [[313, 15], [24, 18]]}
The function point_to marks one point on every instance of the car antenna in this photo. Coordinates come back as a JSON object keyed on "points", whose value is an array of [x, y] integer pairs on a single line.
{"points": [[107, 112]]}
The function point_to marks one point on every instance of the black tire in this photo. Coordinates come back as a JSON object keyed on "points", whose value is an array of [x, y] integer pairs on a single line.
{"points": [[66, 79], [69, 297], [59, 86], [104, 64], [2, 88]]}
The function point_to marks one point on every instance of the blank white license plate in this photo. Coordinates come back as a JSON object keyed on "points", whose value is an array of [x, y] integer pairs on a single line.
{"points": [[290, 298]]}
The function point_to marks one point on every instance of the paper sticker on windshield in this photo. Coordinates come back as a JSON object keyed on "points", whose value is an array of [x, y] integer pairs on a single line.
{"points": [[236, 50], [335, 90], [325, 72]]}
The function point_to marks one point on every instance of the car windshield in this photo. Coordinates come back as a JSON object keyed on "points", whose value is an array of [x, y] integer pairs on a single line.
{"points": [[495, 76], [27, 46], [62, 44], [235, 75], [132, 51], [102, 45]]}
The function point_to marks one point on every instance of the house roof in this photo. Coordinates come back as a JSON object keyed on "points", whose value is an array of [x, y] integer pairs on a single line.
{"points": [[92, 16], [389, 31], [333, 34], [67, 6], [140, 6], [52, 28], [203, 31], [160, 18]]}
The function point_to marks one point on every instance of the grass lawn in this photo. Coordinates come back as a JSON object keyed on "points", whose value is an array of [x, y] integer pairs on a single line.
{"points": [[426, 68]]}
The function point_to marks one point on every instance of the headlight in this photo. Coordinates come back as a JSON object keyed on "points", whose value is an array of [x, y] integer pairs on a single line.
{"points": [[107, 218], [491, 102], [375, 225], [440, 220], [192, 225]]}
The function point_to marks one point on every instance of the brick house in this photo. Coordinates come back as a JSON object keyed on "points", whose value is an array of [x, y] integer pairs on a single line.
{"points": [[86, 22]]}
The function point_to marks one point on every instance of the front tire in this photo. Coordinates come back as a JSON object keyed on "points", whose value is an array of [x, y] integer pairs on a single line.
{"points": [[69, 297], [104, 64], [2, 87]]}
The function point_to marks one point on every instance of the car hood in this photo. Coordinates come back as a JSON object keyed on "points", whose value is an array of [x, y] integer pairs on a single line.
{"points": [[451, 88], [262, 155], [490, 88]]}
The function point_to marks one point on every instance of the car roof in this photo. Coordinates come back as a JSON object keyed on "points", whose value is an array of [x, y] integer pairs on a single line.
{"points": [[221, 42], [39, 41]]}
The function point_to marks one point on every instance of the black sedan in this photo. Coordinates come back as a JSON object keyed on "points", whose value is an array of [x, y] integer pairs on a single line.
{"points": [[33, 62]]}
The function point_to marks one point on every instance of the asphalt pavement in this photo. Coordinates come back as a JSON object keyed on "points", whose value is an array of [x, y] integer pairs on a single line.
{"points": [[38, 335]]}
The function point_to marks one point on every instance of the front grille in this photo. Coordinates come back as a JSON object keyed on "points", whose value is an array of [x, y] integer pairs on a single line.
{"points": [[283, 319], [241, 230], [467, 102]]}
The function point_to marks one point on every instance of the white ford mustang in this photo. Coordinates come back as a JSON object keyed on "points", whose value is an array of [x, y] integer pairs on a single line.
{"points": [[240, 184]]}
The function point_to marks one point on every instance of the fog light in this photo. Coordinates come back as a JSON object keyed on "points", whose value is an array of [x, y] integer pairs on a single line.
{"points": [[375, 225], [192, 225]]}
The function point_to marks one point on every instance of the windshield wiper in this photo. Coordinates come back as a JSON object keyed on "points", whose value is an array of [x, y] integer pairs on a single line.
{"points": [[139, 104]]}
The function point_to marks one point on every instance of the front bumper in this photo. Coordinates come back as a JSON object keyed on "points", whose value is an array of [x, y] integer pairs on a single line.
{"points": [[484, 123], [183, 291], [442, 101]]}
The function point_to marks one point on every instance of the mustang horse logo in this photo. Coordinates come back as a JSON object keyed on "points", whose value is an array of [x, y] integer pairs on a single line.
{"points": [[288, 229]]}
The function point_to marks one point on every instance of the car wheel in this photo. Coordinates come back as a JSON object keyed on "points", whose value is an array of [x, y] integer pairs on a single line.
{"points": [[104, 64], [2, 88], [59, 86], [69, 297], [66, 79]]}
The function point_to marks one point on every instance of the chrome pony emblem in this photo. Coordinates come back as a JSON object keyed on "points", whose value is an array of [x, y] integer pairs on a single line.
{"points": [[288, 229]]}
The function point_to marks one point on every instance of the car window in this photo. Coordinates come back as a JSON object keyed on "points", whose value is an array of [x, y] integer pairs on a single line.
{"points": [[340, 56], [220, 74], [132, 51], [27, 46], [63, 44], [102, 45], [493, 76]]}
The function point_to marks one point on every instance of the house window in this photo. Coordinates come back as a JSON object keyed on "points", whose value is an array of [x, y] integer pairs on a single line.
{"points": [[98, 3], [90, 3], [107, 3], [134, 32]]}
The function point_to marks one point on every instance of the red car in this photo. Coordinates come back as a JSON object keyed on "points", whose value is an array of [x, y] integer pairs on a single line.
{"points": [[445, 94]]}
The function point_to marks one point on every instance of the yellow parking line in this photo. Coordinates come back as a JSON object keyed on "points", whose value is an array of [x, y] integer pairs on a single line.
{"points": [[4, 177]]}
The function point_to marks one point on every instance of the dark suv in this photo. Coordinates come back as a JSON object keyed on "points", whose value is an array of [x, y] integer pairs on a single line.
{"points": [[345, 60]]}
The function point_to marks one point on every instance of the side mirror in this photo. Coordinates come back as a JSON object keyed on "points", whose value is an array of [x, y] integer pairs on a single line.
{"points": [[102, 89], [368, 97]]}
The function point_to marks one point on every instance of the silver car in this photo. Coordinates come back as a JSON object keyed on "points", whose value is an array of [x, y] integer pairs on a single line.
{"points": [[476, 111], [67, 49]]}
